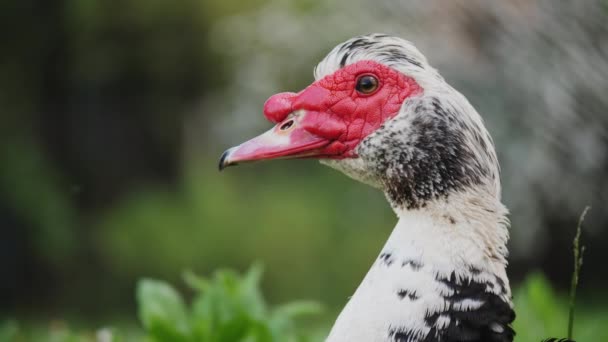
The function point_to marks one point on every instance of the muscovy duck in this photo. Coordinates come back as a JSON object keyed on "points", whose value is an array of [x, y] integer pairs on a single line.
{"points": [[382, 115]]}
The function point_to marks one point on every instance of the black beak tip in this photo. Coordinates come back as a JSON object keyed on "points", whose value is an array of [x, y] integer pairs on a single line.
{"points": [[224, 163]]}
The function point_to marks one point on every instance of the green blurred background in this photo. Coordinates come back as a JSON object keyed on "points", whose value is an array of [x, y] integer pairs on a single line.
{"points": [[113, 114]]}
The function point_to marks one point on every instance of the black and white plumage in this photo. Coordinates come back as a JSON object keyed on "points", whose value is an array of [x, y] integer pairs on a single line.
{"points": [[441, 276], [436, 163]]}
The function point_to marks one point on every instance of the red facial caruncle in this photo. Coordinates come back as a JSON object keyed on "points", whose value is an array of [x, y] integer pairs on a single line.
{"points": [[330, 117]]}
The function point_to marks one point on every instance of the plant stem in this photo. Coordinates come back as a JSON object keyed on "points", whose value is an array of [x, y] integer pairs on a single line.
{"points": [[578, 263]]}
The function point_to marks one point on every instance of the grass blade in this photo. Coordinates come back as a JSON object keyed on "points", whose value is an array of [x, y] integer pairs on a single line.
{"points": [[578, 263]]}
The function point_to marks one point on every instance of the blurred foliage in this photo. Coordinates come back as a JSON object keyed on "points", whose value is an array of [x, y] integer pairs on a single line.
{"points": [[543, 313], [226, 308], [230, 308], [57, 331], [207, 224]]}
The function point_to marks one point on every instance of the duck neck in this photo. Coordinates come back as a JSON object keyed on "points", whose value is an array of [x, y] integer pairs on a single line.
{"points": [[442, 262], [466, 231]]}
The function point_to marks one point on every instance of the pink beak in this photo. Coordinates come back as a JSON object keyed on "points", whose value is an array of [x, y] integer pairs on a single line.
{"points": [[286, 140]]}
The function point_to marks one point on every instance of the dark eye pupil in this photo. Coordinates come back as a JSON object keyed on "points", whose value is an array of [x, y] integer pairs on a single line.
{"points": [[367, 84]]}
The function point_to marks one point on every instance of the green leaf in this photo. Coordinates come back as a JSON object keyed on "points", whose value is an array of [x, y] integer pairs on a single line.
{"points": [[196, 282], [228, 307], [162, 311]]}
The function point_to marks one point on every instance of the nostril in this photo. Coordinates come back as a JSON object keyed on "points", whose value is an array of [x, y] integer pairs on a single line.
{"points": [[286, 125]]}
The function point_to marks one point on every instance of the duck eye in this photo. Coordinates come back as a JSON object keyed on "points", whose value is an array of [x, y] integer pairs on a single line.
{"points": [[366, 84]]}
